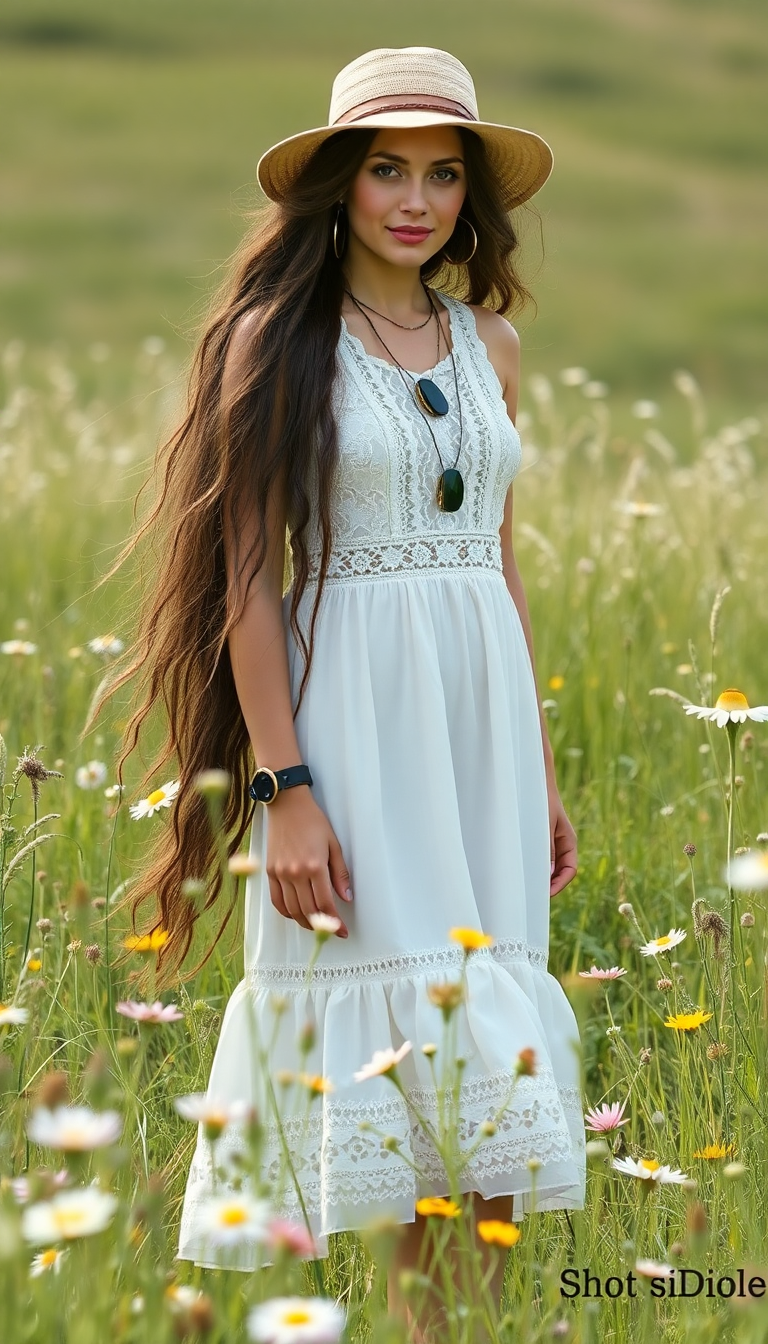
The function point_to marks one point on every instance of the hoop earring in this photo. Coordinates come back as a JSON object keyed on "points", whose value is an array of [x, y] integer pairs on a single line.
{"points": [[452, 260], [338, 251]]}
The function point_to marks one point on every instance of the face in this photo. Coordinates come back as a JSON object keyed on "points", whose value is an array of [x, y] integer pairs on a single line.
{"points": [[403, 203]]}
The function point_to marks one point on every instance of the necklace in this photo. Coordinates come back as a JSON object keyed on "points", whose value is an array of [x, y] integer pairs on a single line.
{"points": [[376, 313], [428, 397]]}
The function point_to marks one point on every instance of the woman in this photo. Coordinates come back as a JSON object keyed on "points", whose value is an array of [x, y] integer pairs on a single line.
{"points": [[406, 784]]}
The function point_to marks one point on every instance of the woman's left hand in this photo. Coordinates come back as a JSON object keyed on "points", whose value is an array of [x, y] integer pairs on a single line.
{"points": [[562, 843]]}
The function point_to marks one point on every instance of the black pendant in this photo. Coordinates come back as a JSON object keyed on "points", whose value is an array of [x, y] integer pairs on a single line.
{"points": [[450, 490], [430, 397]]}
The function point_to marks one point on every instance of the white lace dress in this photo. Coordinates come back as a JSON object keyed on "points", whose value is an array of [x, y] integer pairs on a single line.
{"points": [[420, 726]]}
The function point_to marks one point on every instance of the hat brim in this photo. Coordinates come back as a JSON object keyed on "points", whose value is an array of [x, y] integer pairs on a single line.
{"points": [[521, 161]]}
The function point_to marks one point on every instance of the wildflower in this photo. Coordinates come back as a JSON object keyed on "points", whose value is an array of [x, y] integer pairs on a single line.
{"points": [[214, 1116], [645, 1055], [225, 1220], [663, 943], [596, 1148], [74, 1128], [44, 1183], [242, 865], [181, 1296], [748, 872], [595, 973], [731, 706], [21, 647], [108, 645], [645, 410], [114, 791], [93, 953], [497, 1233], [434, 1206], [293, 1237], [70, 1214], [324, 925], [525, 1065], [747, 920], [470, 939], [147, 942], [595, 390], [658, 1118], [664, 984], [46, 1260], [162, 797], [733, 1170], [91, 776], [316, 1083], [148, 1012], [613, 1030], [34, 964], [626, 909], [686, 383], [638, 508], [213, 783], [687, 1021], [648, 1169], [651, 1269], [717, 1050], [606, 1118], [296, 1320], [35, 771], [690, 851], [43, 926], [574, 377], [446, 995], [384, 1061], [711, 1151], [429, 1049], [556, 683]]}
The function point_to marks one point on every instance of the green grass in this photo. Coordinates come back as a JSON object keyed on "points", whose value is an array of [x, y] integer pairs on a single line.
{"points": [[130, 138], [620, 606]]}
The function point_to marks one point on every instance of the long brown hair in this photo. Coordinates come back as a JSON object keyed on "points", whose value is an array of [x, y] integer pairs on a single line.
{"points": [[276, 425]]}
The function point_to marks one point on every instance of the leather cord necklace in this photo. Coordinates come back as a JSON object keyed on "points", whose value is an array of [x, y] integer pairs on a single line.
{"points": [[401, 325], [428, 397]]}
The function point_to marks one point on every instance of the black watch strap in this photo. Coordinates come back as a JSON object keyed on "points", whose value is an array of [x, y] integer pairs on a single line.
{"points": [[266, 783]]}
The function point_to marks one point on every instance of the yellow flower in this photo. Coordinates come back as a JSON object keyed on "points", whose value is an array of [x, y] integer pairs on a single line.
{"points": [[714, 1150], [147, 942], [687, 1021], [470, 939], [34, 964], [555, 683], [434, 1206], [315, 1082], [497, 1233]]}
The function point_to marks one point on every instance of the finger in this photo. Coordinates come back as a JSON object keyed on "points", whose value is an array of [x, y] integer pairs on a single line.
{"points": [[293, 904], [561, 879], [324, 900], [276, 897]]}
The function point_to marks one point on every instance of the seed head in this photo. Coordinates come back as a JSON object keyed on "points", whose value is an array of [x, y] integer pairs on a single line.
{"points": [[44, 925], [690, 850], [645, 1055], [627, 910], [717, 1050], [747, 920], [93, 953], [35, 771]]}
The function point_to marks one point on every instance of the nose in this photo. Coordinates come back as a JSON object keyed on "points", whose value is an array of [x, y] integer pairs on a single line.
{"points": [[412, 201]]}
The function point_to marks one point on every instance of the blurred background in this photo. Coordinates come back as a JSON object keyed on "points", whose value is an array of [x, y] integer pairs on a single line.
{"points": [[131, 133]]}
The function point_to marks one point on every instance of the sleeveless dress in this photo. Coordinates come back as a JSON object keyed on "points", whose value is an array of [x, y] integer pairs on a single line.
{"points": [[420, 725]]}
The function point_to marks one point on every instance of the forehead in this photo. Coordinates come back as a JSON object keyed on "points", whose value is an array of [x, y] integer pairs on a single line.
{"points": [[419, 143]]}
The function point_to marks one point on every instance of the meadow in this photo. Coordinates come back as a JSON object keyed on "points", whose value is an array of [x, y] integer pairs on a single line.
{"points": [[129, 150]]}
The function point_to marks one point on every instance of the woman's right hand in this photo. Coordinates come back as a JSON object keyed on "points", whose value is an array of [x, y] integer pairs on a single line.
{"points": [[305, 865]]}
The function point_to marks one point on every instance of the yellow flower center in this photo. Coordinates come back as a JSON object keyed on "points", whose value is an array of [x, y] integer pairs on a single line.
{"points": [[69, 1221], [297, 1316], [663, 940], [731, 699], [233, 1215], [49, 1258], [649, 1163], [156, 797]]}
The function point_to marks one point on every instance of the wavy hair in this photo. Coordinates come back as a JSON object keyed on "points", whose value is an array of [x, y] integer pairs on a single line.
{"points": [[286, 275]]}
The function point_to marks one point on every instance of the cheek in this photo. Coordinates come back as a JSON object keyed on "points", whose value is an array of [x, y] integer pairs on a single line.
{"points": [[367, 200]]}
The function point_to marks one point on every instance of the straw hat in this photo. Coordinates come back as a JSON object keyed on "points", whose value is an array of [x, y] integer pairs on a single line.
{"points": [[412, 86]]}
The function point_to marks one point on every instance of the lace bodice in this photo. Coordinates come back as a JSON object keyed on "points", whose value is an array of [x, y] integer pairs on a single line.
{"points": [[384, 508]]}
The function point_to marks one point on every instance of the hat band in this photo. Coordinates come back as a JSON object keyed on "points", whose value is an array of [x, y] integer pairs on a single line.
{"points": [[396, 103]]}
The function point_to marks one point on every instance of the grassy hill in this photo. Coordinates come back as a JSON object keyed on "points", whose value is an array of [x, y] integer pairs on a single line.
{"points": [[130, 137]]}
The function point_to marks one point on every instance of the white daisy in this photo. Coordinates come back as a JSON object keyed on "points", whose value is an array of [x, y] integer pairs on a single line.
{"points": [[574, 377], [730, 707], [162, 797], [74, 1128], [226, 1220], [384, 1061], [322, 923], [296, 1320], [20, 647], [70, 1214], [748, 872], [663, 943], [181, 1296], [645, 410], [106, 644], [45, 1260], [651, 1269], [648, 1169], [91, 776], [213, 1115], [11, 1016]]}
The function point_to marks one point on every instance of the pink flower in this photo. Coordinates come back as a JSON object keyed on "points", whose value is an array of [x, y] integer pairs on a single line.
{"points": [[149, 1012], [607, 1117], [292, 1236], [595, 973]]}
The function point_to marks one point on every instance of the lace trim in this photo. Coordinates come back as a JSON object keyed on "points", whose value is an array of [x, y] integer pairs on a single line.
{"points": [[361, 561], [294, 977], [338, 1163]]}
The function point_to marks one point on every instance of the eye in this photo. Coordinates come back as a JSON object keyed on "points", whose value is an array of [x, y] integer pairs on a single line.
{"points": [[451, 175], [384, 169]]}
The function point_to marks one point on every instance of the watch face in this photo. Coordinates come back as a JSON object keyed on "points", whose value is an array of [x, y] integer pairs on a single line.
{"points": [[264, 787]]}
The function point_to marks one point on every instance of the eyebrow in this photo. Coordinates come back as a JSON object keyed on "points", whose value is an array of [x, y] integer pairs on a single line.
{"points": [[397, 158]]}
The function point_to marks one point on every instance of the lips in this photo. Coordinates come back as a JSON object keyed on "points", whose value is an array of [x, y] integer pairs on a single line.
{"points": [[410, 235]]}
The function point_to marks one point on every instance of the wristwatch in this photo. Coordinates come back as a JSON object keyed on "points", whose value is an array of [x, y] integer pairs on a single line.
{"points": [[266, 783]]}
